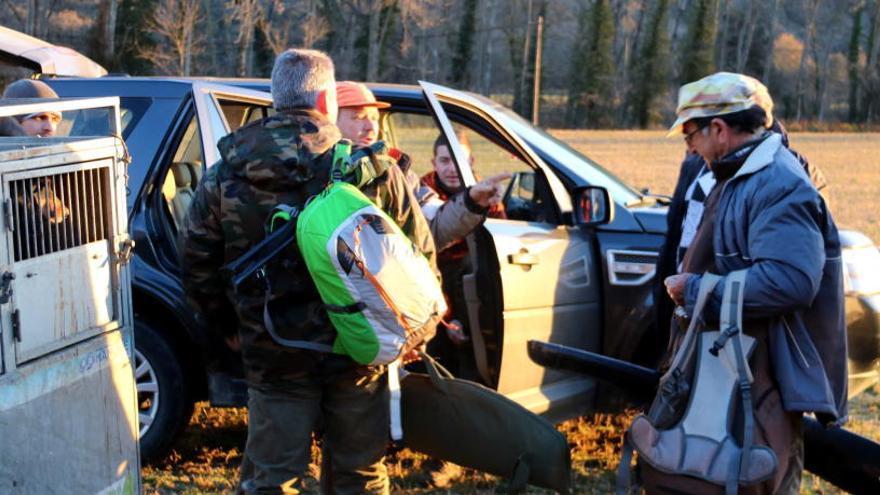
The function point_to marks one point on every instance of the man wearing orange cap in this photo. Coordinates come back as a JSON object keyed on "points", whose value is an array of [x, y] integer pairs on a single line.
{"points": [[450, 220], [763, 215], [451, 216], [358, 113]]}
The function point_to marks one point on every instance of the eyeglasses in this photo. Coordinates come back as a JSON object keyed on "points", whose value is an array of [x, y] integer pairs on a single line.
{"points": [[690, 135]]}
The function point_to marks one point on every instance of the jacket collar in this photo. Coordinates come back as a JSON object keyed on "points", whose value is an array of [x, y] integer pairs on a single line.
{"points": [[762, 155]]}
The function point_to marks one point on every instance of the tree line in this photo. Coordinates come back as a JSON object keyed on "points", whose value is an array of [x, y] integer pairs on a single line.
{"points": [[604, 63]]}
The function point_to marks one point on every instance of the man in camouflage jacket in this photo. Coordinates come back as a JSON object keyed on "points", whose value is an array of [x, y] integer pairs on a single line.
{"points": [[286, 159]]}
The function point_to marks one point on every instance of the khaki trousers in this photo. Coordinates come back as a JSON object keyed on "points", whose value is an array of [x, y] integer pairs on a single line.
{"points": [[349, 412]]}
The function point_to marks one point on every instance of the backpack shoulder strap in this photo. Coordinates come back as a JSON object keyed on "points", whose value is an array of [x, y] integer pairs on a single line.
{"points": [[361, 167], [341, 159], [270, 327], [731, 325], [707, 285], [624, 483]]}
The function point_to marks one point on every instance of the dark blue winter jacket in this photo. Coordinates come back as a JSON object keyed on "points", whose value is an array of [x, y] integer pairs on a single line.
{"points": [[771, 220]]}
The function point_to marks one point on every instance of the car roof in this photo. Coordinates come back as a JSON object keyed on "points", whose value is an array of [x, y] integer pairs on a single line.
{"points": [[172, 87], [180, 86], [19, 49]]}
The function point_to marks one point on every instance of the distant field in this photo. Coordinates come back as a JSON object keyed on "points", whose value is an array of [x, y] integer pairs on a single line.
{"points": [[851, 163], [206, 460]]}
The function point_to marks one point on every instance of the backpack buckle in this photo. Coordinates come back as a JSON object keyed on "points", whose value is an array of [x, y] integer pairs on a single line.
{"points": [[722, 339]]}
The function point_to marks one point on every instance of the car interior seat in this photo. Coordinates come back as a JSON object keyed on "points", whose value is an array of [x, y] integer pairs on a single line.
{"points": [[179, 189]]}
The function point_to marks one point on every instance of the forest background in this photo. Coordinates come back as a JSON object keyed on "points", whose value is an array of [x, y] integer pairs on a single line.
{"points": [[604, 63]]}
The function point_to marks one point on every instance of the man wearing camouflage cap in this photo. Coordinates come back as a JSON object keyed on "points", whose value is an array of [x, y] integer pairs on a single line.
{"points": [[765, 216], [695, 182], [286, 159]]}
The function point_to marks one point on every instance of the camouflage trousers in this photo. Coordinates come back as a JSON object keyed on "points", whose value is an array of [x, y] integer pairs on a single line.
{"points": [[349, 412]]}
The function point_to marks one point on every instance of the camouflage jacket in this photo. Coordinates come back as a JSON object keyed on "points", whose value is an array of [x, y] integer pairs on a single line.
{"points": [[283, 159]]}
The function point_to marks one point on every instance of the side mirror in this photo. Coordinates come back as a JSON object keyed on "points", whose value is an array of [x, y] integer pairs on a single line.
{"points": [[592, 205]]}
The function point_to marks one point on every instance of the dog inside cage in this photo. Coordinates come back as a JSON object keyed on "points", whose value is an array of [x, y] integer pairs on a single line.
{"points": [[58, 212]]}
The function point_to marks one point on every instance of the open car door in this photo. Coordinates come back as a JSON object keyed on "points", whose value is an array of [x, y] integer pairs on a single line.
{"points": [[219, 110], [222, 109], [535, 275]]}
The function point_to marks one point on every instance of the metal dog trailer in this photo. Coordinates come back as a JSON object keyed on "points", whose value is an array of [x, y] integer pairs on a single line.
{"points": [[68, 404]]}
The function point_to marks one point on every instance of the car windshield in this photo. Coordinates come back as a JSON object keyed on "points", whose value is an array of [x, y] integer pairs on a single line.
{"points": [[543, 143]]}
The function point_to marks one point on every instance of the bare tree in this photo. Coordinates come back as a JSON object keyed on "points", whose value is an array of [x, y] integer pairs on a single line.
{"points": [[377, 30], [246, 14], [375, 36], [856, 9], [407, 40], [36, 22], [33, 13], [383, 19], [773, 6], [628, 36], [678, 17], [103, 32], [486, 47], [812, 8], [174, 24], [111, 7], [314, 27], [11, 9], [746, 34], [722, 15], [870, 76], [821, 51]]}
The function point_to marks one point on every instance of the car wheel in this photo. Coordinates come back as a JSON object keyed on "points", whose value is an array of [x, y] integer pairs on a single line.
{"points": [[164, 400]]}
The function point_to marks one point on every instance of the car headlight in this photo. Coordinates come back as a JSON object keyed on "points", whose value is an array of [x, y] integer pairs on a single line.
{"points": [[861, 263]]}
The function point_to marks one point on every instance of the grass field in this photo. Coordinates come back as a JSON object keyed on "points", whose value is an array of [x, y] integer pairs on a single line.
{"points": [[206, 458], [850, 162]]}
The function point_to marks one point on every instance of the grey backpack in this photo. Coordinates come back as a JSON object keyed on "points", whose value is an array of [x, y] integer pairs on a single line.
{"points": [[689, 429]]}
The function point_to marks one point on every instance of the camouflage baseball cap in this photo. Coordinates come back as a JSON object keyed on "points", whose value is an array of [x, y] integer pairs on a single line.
{"points": [[720, 94]]}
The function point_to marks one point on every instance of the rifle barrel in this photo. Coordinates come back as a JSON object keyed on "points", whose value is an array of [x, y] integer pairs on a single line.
{"points": [[241, 268]]}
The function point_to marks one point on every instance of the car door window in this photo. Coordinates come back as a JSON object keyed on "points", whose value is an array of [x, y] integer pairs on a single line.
{"points": [[223, 109], [530, 249], [240, 113], [183, 175], [525, 196], [219, 111]]}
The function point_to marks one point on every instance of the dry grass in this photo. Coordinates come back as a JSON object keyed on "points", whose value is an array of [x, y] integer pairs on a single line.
{"points": [[206, 459]]}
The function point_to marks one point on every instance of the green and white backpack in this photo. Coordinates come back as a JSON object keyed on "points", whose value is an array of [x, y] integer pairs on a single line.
{"points": [[380, 292]]}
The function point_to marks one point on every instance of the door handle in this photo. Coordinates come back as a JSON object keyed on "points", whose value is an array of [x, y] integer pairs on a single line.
{"points": [[523, 257]]}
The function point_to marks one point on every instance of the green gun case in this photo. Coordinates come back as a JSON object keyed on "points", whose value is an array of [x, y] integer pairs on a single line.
{"points": [[473, 426]]}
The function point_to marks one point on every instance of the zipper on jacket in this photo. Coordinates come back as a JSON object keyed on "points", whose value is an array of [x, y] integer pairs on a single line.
{"points": [[793, 341]]}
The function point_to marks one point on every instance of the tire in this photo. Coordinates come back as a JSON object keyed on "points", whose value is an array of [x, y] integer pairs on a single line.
{"points": [[164, 398]]}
